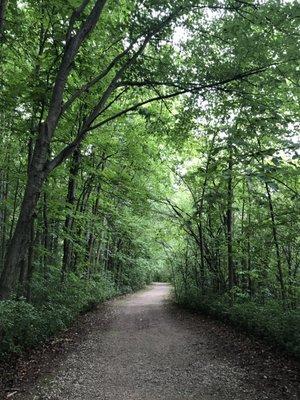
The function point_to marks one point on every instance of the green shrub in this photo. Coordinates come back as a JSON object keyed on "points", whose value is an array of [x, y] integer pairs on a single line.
{"points": [[135, 275], [19, 324], [55, 305], [269, 321], [23, 325]]}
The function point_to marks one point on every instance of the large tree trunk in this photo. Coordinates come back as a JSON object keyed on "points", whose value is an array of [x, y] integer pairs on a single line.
{"points": [[20, 242]]}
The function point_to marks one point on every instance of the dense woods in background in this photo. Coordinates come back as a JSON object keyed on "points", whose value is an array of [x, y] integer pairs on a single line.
{"points": [[149, 140]]}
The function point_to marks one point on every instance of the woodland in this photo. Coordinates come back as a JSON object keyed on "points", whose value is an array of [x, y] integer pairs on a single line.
{"points": [[149, 140]]}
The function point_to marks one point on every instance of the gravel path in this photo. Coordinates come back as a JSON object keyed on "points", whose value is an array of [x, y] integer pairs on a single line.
{"points": [[150, 350]]}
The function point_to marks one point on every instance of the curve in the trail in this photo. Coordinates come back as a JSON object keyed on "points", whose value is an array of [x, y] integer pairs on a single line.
{"points": [[149, 351]]}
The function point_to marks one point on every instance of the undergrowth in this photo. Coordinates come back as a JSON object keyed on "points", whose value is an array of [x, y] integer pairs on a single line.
{"points": [[269, 321], [25, 324]]}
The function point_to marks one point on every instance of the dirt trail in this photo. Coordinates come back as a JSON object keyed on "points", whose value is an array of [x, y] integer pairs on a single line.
{"points": [[150, 350]]}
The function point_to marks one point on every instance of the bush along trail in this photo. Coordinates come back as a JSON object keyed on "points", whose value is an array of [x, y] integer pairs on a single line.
{"points": [[148, 141]]}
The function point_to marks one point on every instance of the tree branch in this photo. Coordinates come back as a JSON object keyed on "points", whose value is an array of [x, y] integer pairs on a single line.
{"points": [[85, 88], [98, 109], [72, 45]]}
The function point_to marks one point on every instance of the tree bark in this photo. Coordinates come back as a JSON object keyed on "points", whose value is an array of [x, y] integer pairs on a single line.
{"points": [[20, 242]]}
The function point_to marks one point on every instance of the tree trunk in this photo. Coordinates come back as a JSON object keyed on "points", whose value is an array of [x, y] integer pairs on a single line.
{"points": [[3, 214], [229, 216], [20, 242], [46, 237], [276, 243], [71, 196], [2, 18], [200, 213], [26, 268]]}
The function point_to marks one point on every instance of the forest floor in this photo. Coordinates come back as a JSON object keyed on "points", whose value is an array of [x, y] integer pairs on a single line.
{"points": [[141, 346]]}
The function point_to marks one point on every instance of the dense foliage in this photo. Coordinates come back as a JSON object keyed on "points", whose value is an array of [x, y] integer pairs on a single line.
{"points": [[148, 139]]}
